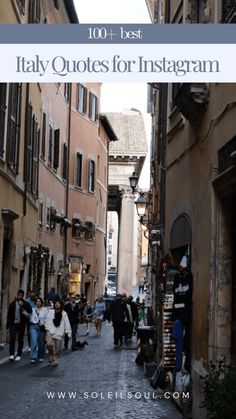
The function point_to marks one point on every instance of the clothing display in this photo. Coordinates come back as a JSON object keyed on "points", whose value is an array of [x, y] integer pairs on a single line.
{"points": [[178, 335], [182, 290]]}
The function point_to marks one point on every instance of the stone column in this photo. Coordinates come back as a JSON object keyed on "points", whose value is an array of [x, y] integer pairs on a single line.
{"points": [[126, 239]]}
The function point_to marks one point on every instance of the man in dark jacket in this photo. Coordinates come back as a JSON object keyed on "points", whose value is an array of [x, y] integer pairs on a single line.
{"points": [[119, 313], [18, 313], [72, 310]]}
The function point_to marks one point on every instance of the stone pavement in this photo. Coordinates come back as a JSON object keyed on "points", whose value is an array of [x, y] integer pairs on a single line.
{"points": [[99, 382]]}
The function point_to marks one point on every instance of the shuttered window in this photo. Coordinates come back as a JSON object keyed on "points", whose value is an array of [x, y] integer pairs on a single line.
{"points": [[29, 129], [43, 138], [56, 149], [93, 107], [78, 179], [34, 11], [64, 163], [50, 145], [34, 186], [3, 95], [21, 6], [32, 152], [82, 99], [90, 231], [91, 175], [13, 123]]}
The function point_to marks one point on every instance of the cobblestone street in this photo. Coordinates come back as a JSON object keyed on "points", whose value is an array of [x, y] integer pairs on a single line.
{"points": [[99, 376]]}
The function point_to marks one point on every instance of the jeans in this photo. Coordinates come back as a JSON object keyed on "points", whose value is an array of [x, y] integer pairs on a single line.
{"points": [[17, 329], [37, 338], [118, 332], [74, 328]]}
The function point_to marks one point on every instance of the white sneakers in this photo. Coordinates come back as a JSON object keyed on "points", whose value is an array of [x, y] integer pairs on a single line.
{"points": [[12, 358], [32, 361]]}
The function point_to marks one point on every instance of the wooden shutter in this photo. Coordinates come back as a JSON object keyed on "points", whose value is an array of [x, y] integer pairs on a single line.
{"points": [[85, 100], [34, 11], [50, 145], [56, 149], [43, 141], [35, 157], [78, 169], [64, 164], [90, 105], [13, 125], [29, 129], [3, 93]]}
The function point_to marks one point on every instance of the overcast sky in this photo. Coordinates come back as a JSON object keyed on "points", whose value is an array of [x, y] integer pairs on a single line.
{"points": [[120, 96]]}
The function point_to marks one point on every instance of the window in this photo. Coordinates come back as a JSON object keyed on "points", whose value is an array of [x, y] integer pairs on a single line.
{"points": [[48, 211], [78, 179], [56, 4], [50, 145], [91, 175], [10, 106], [3, 107], [64, 163], [82, 99], [90, 231], [110, 249], [228, 11], [109, 261], [77, 228], [110, 235], [40, 214], [56, 149], [93, 107], [21, 6], [67, 91], [34, 11], [175, 89], [32, 136], [43, 137]]}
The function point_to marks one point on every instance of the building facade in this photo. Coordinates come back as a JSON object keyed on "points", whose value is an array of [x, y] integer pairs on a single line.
{"points": [[193, 193], [53, 178]]}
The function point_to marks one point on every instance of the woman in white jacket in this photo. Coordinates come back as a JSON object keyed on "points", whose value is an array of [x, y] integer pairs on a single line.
{"points": [[57, 324]]}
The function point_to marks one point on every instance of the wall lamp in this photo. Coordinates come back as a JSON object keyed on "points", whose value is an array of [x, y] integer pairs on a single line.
{"points": [[133, 181]]}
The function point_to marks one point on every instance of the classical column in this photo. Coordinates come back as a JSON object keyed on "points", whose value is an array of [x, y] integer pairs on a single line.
{"points": [[126, 241]]}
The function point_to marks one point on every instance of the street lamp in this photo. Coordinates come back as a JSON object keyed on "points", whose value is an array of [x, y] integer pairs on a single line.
{"points": [[133, 181], [141, 205]]}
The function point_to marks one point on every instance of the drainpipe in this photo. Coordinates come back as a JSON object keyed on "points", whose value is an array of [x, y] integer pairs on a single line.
{"points": [[25, 149], [68, 171]]}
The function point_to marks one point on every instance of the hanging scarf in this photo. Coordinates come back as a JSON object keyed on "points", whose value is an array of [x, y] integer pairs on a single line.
{"points": [[57, 318]]}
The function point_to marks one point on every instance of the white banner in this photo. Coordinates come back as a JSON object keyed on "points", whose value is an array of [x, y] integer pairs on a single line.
{"points": [[118, 63]]}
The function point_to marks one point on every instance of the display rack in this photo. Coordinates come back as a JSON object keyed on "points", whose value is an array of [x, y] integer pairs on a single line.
{"points": [[168, 343]]}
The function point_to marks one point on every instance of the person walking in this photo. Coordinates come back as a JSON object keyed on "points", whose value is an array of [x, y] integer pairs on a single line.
{"points": [[88, 315], [38, 331], [56, 325], [99, 310], [134, 310], [31, 301], [119, 313], [19, 312], [72, 310]]}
